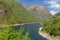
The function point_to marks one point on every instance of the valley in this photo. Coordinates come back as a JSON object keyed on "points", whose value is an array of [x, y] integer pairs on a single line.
{"points": [[26, 20]]}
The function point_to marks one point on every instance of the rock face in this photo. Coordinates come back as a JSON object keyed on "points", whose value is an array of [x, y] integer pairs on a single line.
{"points": [[39, 11]]}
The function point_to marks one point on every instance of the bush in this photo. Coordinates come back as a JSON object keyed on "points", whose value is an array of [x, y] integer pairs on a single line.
{"points": [[8, 33]]}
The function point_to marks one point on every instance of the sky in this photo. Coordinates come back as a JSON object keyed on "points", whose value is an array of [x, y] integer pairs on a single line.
{"points": [[52, 5]]}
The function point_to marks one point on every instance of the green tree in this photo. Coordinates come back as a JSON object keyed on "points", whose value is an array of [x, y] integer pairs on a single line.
{"points": [[52, 26], [8, 33]]}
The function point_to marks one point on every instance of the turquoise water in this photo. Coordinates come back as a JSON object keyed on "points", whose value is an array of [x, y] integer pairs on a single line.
{"points": [[33, 31]]}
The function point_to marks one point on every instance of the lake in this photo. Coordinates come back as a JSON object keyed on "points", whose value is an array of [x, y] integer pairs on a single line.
{"points": [[33, 30]]}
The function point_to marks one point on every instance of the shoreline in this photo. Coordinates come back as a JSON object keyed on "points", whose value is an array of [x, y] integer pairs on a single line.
{"points": [[46, 35], [24, 23], [18, 24]]}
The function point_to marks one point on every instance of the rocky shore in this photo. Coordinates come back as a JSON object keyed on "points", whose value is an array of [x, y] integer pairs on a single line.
{"points": [[47, 36]]}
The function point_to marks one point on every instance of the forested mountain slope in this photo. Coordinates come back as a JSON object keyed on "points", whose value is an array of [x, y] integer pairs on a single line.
{"points": [[52, 26], [12, 12]]}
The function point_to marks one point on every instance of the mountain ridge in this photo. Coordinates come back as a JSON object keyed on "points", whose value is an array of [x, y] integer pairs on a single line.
{"points": [[39, 11]]}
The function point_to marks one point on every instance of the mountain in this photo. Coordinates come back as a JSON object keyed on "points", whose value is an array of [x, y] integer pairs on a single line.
{"points": [[12, 12], [39, 11], [52, 26]]}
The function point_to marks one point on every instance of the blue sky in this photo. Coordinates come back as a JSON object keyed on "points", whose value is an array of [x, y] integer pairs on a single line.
{"points": [[52, 5]]}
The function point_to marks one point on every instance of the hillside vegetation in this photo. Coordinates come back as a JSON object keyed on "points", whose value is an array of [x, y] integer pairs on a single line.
{"points": [[52, 26], [12, 12]]}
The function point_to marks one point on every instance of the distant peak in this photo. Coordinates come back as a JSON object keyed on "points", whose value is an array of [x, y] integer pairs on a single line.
{"points": [[39, 11], [38, 7]]}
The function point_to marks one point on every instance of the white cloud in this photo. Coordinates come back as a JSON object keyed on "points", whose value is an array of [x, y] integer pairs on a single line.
{"points": [[53, 4], [53, 12]]}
